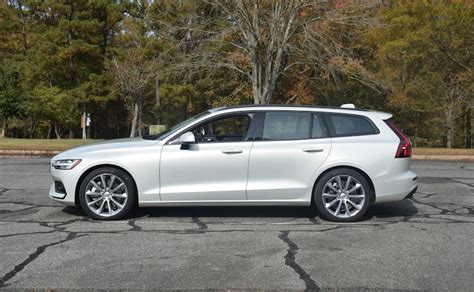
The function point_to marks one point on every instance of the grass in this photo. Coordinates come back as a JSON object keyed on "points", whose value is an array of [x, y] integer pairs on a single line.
{"points": [[443, 151], [64, 144], [42, 144]]}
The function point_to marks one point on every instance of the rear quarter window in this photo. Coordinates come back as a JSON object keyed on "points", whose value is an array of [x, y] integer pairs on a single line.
{"points": [[343, 125]]}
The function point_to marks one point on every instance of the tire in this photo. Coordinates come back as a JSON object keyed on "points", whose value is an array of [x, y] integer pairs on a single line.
{"points": [[339, 197], [114, 201]]}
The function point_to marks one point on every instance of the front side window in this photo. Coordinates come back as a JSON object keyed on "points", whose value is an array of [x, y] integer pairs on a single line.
{"points": [[286, 126], [351, 125], [172, 130], [228, 129]]}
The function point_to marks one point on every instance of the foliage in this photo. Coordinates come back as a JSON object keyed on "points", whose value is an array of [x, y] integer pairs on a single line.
{"points": [[146, 62]]}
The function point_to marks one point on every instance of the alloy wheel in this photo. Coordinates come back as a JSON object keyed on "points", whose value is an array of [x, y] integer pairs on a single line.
{"points": [[343, 196], [106, 194]]}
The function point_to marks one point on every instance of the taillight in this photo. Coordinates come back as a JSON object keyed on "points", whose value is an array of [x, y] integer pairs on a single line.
{"points": [[404, 147]]}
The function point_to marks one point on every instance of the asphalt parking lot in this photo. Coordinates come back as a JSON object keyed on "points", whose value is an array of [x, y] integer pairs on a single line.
{"points": [[420, 244]]}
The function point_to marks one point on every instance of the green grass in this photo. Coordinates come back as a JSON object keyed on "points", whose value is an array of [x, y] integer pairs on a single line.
{"points": [[42, 144], [442, 151]]}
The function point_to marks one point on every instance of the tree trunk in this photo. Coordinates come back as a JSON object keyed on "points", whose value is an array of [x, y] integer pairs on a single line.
{"points": [[83, 123], [140, 117], [134, 121], [48, 136], [56, 131], [23, 27], [158, 99], [32, 127], [71, 134], [3, 133], [472, 123], [450, 127]]}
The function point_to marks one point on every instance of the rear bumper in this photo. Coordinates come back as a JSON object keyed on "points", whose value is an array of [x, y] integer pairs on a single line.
{"points": [[410, 195], [398, 188]]}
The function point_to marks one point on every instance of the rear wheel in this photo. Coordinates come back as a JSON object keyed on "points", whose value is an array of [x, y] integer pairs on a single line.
{"points": [[107, 193], [342, 195]]}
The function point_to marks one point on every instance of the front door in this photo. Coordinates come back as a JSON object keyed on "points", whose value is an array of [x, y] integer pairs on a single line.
{"points": [[215, 168]]}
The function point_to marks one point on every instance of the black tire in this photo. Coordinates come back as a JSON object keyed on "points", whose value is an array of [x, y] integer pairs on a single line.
{"points": [[330, 177], [130, 202]]}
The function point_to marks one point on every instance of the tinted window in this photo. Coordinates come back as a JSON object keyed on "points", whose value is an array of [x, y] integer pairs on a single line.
{"points": [[351, 125], [286, 126], [229, 129], [318, 130]]}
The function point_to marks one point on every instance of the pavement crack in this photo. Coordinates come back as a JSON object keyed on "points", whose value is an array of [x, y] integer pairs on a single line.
{"points": [[445, 211], [463, 183], [27, 233], [290, 260], [133, 224], [33, 256], [314, 220], [202, 225]]}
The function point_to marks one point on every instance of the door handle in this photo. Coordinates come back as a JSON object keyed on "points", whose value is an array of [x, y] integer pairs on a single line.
{"points": [[312, 150], [232, 151]]}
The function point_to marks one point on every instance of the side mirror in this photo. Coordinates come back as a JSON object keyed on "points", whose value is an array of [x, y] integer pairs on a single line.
{"points": [[187, 138]]}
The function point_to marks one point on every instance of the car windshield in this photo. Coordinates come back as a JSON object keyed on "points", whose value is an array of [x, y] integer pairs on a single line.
{"points": [[169, 131]]}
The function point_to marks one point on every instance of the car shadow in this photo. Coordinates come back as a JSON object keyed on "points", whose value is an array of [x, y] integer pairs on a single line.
{"points": [[392, 209], [225, 211], [381, 210]]}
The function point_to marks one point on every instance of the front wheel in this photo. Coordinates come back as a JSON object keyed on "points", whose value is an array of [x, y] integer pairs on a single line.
{"points": [[107, 193], [342, 195]]}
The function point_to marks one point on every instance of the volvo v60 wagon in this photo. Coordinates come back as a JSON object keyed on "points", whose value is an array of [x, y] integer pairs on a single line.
{"points": [[338, 160]]}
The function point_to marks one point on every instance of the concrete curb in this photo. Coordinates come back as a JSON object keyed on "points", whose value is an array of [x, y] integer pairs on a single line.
{"points": [[28, 153], [468, 158], [51, 153]]}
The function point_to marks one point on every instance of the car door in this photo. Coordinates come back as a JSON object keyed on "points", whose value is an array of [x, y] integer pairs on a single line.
{"points": [[214, 168], [292, 146]]}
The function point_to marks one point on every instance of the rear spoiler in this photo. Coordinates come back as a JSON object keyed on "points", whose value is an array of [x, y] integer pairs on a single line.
{"points": [[382, 115]]}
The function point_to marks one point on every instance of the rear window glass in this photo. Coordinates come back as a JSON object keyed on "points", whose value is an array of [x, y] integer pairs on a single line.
{"points": [[286, 126], [351, 125]]}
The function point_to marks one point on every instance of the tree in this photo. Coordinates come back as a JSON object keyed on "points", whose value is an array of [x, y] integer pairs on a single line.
{"points": [[261, 40], [11, 95], [134, 71], [425, 59]]}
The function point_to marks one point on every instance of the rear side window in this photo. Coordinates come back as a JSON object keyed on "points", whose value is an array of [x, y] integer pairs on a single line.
{"points": [[318, 130], [350, 125], [286, 126]]}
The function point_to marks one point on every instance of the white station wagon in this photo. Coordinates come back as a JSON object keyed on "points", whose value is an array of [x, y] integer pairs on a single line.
{"points": [[338, 160]]}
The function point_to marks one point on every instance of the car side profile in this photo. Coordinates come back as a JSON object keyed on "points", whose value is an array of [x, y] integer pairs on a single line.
{"points": [[338, 160]]}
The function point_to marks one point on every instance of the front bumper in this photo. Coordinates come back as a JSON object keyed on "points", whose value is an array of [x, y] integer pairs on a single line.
{"points": [[68, 178]]}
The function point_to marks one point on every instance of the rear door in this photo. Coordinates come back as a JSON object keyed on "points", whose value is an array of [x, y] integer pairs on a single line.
{"points": [[289, 148]]}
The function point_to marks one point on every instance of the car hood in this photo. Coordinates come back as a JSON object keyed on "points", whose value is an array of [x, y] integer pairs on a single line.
{"points": [[105, 146]]}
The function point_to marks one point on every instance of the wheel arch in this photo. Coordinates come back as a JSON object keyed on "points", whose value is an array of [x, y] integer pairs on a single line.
{"points": [[363, 173], [91, 169]]}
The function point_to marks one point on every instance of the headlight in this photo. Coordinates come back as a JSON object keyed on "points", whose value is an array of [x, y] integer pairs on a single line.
{"points": [[65, 163]]}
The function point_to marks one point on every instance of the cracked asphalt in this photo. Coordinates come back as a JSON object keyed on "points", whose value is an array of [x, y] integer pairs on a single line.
{"points": [[420, 244]]}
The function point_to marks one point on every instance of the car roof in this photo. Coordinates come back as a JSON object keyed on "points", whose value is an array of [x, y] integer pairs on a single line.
{"points": [[381, 115], [283, 106]]}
